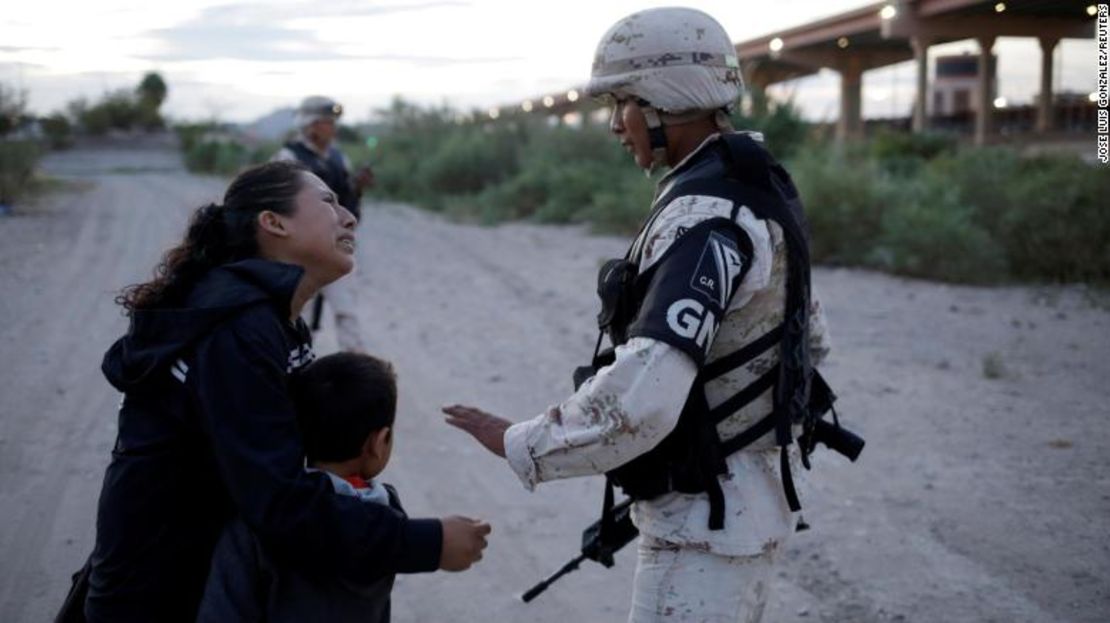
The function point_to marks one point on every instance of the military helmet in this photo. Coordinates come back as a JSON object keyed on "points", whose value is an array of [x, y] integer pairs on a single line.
{"points": [[317, 107], [676, 59]]}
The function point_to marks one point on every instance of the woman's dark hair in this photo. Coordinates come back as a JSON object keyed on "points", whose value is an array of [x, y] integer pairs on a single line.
{"points": [[340, 400], [218, 234]]}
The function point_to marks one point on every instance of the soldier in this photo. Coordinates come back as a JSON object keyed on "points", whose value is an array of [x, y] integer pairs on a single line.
{"points": [[315, 147], [715, 335]]}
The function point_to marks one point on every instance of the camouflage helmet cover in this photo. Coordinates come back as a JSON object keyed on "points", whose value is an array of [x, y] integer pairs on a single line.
{"points": [[316, 107], [677, 59]]}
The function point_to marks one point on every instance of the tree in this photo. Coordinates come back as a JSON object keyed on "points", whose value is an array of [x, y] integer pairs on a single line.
{"points": [[12, 108], [58, 130], [152, 90], [151, 93]]}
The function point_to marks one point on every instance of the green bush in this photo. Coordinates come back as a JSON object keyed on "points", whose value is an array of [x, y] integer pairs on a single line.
{"points": [[845, 195], [17, 169], [929, 232], [1057, 226], [903, 153], [1045, 212], [468, 161], [58, 131], [622, 206], [117, 110], [13, 107], [221, 157], [784, 130]]}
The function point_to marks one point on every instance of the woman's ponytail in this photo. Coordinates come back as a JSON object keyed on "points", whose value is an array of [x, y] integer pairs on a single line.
{"points": [[217, 234]]}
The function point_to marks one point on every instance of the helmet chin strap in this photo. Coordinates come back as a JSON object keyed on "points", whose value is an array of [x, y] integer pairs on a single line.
{"points": [[658, 138], [721, 118]]}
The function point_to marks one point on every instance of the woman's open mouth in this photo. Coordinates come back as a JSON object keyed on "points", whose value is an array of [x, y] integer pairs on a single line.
{"points": [[347, 243]]}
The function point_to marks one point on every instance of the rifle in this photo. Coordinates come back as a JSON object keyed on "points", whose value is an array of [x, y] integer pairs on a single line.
{"points": [[600, 541]]}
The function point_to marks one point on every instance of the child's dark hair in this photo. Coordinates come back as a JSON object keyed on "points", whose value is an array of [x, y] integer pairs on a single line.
{"points": [[340, 399], [218, 234]]}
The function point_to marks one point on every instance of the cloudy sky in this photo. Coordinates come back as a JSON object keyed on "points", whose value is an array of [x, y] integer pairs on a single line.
{"points": [[236, 61]]}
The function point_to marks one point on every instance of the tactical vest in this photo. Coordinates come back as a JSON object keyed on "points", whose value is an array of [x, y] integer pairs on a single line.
{"points": [[692, 456], [332, 170]]}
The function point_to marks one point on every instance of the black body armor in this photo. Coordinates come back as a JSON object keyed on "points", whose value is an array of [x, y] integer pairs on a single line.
{"points": [[333, 171], [692, 456]]}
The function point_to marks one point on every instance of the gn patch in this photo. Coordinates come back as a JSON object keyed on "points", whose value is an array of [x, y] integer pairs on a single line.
{"points": [[687, 291]]}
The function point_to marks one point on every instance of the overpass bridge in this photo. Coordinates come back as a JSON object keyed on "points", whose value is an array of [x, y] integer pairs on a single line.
{"points": [[885, 33]]}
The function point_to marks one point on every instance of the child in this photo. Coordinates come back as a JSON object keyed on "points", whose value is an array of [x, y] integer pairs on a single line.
{"points": [[345, 404]]}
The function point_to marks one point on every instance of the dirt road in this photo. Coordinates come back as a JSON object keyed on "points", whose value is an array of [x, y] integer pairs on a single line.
{"points": [[983, 495]]}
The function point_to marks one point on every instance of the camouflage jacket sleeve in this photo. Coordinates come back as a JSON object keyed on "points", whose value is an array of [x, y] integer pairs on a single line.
{"points": [[622, 412]]}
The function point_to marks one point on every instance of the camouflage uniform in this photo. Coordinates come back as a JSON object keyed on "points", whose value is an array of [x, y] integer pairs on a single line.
{"points": [[630, 406]]}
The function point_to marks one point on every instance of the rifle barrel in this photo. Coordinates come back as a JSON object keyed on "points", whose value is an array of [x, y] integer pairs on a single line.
{"points": [[533, 592]]}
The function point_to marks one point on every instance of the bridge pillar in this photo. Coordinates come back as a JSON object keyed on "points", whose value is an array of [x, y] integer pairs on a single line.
{"points": [[1044, 105], [920, 103], [983, 116], [850, 124]]}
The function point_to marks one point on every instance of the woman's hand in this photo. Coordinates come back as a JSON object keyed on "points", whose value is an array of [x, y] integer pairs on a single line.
{"points": [[488, 429]]}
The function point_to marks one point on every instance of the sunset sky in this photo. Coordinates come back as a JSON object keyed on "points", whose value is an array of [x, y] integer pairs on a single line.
{"points": [[237, 61]]}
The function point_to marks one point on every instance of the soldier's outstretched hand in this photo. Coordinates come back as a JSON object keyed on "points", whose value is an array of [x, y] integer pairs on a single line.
{"points": [[487, 428]]}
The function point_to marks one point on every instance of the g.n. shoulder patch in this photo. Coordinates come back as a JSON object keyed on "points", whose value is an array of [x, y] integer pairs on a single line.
{"points": [[687, 291]]}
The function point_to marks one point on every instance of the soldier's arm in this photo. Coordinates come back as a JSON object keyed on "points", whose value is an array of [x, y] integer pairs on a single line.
{"points": [[626, 409]]}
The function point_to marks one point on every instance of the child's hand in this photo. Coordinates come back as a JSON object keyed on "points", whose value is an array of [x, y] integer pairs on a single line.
{"points": [[488, 429], [463, 542]]}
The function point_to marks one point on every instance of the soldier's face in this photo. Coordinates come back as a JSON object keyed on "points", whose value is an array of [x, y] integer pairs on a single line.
{"points": [[322, 131], [630, 127]]}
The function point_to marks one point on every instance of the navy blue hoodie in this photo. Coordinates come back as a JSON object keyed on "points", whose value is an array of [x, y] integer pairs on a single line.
{"points": [[206, 432]]}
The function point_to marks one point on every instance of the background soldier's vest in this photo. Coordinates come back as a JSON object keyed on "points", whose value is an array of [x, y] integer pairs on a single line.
{"points": [[332, 170]]}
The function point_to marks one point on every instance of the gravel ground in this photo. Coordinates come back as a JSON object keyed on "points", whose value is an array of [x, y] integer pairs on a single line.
{"points": [[983, 493]]}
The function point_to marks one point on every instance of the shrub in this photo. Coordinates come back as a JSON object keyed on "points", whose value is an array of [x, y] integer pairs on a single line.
{"points": [[1045, 212], [219, 156], [782, 126], [1057, 226], [17, 169], [58, 131], [13, 106], [622, 206], [468, 161], [929, 232], [845, 195], [904, 153]]}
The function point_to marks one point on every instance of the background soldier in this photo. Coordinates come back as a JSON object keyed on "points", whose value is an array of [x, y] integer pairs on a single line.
{"points": [[315, 147], [698, 314]]}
